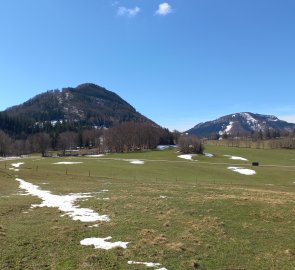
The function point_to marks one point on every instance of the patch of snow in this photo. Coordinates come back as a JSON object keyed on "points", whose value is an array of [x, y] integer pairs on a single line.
{"points": [[64, 203], [17, 165], [236, 158], [252, 122], [242, 170], [138, 162], [208, 155], [67, 163], [227, 129], [13, 169], [164, 147], [163, 197], [102, 243], [93, 226], [94, 156], [147, 264], [9, 158], [54, 122], [187, 156], [248, 117]]}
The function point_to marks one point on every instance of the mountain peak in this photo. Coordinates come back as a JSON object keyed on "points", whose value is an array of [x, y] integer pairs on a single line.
{"points": [[242, 123], [87, 104]]}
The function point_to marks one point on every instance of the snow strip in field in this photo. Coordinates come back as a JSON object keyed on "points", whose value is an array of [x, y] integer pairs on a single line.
{"points": [[67, 163], [94, 156], [188, 157], [13, 169], [93, 226], [102, 243], [148, 264], [10, 158], [17, 165], [208, 155], [137, 162], [242, 170], [64, 203], [236, 158]]}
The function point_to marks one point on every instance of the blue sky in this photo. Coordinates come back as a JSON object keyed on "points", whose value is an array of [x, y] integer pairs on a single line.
{"points": [[177, 62]]}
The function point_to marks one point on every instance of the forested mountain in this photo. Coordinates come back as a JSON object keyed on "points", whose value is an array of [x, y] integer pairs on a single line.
{"points": [[243, 124], [86, 106]]}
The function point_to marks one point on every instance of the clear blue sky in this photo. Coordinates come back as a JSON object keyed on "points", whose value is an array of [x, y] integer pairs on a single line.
{"points": [[181, 63]]}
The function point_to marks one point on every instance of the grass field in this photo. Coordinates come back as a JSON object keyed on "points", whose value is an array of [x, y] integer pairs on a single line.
{"points": [[179, 213]]}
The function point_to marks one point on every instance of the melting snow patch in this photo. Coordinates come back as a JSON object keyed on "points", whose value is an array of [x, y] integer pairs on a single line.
{"points": [[93, 226], [164, 147], [13, 169], [16, 165], [188, 157], [208, 155], [236, 158], [147, 264], [67, 163], [242, 170], [137, 162], [94, 156], [12, 158], [227, 129], [102, 243], [64, 203]]}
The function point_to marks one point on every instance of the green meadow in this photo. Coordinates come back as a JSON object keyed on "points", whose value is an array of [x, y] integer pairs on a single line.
{"points": [[183, 214]]}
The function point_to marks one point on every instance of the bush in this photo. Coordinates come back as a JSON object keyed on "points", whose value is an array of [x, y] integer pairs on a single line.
{"points": [[190, 145]]}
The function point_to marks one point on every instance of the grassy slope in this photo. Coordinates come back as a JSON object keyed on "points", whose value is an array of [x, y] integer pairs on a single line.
{"points": [[212, 217]]}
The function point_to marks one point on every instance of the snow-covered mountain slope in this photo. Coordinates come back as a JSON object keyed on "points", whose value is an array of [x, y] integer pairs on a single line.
{"points": [[239, 124]]}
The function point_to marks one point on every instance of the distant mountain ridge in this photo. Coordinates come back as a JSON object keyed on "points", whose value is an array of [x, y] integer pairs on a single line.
{"points": [[244, 123]]}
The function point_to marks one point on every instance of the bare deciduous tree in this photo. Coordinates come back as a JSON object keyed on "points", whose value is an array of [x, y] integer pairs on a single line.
{"points": [[5, 143], [67, 141], [190, 145], [41, 143]]}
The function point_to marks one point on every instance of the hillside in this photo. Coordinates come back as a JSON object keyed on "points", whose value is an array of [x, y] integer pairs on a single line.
{"points": [[87, 105], [244, 123]]}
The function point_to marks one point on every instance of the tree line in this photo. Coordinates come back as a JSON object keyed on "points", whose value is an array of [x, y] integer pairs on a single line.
{"points": [[267, 134], [122, 137]]}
